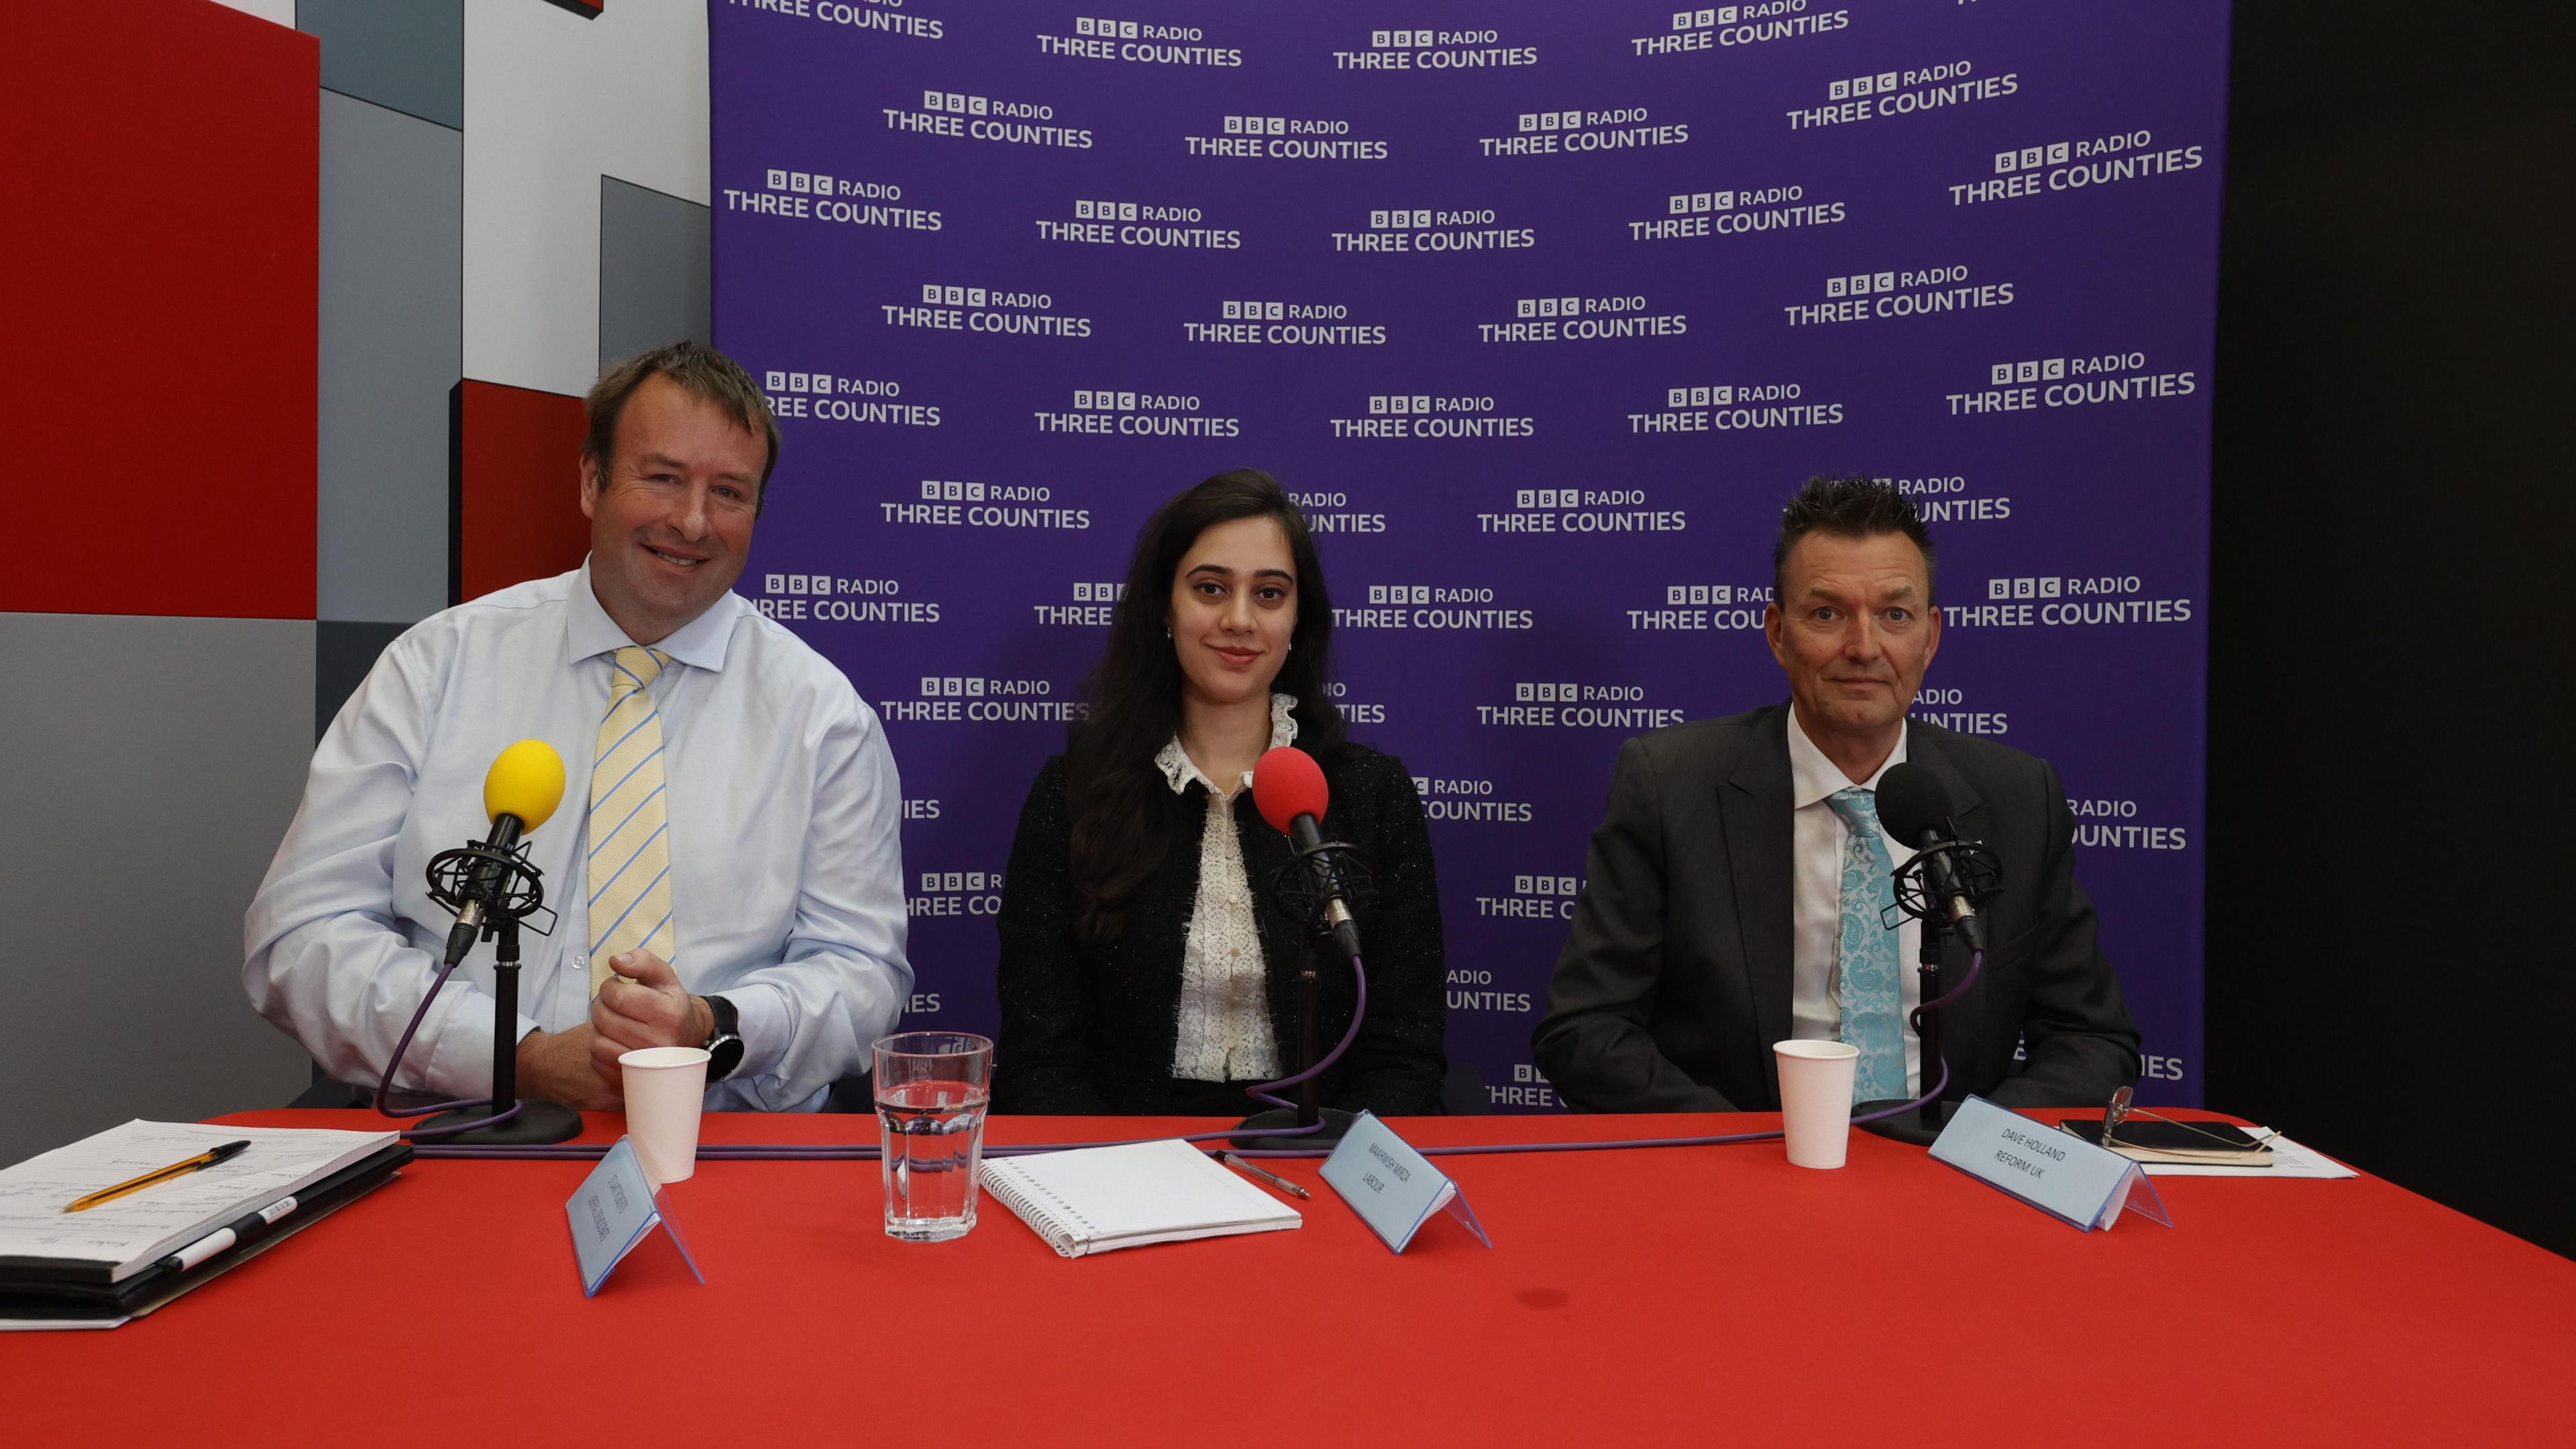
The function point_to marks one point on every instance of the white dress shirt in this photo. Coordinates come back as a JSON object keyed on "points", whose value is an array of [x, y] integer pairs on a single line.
{"points": [[1817, 841], [786, 862], [1225, 1033]]}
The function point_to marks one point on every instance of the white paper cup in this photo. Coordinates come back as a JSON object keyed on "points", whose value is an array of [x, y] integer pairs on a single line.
{"points": [[1815, 1099], [665, 1089]]}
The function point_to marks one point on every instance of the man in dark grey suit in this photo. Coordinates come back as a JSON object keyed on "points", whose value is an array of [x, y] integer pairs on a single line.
{"points": [[1734, 889]]}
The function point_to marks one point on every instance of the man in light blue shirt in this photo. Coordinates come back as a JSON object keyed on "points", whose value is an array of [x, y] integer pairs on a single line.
{"points": [[728, 843]]}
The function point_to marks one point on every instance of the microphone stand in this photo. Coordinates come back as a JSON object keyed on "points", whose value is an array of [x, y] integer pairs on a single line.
{"points": [[1317, 1124], [1927, 1122], [537, 1121], [1978, 878], [1934, 1115], [1327, 870]]}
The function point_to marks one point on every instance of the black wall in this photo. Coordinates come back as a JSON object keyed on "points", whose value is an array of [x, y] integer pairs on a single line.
{"points": [[2392, 922]]}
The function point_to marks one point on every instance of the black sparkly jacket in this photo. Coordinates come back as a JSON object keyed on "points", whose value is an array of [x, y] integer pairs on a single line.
{"points": [[1091, 1030]]}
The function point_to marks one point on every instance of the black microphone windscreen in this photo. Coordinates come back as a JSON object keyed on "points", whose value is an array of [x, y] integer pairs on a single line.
{"points": [[1912, 800]]}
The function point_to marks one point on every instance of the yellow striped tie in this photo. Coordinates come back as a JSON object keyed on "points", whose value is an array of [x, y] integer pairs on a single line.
{"points": [[630, 824]]}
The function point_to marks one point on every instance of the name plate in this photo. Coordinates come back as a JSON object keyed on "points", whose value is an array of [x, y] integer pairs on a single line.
{"points": [[617, 1207], [2066, 1177], [1393, 1188]]}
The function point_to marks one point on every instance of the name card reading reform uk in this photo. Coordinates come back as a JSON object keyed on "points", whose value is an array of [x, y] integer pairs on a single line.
{"points": [[2063, 1176], [1393, 1188], [617, 1207]]}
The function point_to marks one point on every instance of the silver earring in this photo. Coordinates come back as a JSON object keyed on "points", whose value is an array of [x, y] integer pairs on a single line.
{"points": [[1167, 631]]}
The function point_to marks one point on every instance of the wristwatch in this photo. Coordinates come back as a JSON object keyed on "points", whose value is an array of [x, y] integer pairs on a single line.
{"points": [[724, 1044]]}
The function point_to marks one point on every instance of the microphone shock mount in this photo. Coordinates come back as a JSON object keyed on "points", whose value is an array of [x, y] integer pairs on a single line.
{"points": [[1980, 877], [493, 887], [1301, 889], [516, 888]]}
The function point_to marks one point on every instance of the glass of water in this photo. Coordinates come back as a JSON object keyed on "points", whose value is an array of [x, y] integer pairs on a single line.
{"points": [[931, 1090]]}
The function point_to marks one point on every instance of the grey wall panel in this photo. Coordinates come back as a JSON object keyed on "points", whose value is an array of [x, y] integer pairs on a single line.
{"points": [[653, 270], [392, 345], [343, 652], [406, 54], [152, 765]]}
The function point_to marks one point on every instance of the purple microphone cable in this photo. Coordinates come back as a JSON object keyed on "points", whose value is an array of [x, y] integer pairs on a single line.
{"points": [[385, 1084], [854, 1152], [858, 1152], [1976, 964]]}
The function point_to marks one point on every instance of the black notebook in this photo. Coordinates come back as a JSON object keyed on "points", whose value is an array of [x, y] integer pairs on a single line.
{"points": [[98, 1267], [41, 1299]]}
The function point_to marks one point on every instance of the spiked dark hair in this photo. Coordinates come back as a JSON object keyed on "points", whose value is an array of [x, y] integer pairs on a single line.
{"points": [[1848, 505]]}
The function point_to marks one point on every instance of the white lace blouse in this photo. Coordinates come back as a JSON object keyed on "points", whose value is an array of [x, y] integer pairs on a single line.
{"points": [[1225, 1031]]}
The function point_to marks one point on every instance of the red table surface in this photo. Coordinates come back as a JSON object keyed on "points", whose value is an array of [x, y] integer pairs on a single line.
{"points": [[1701, 1295]]}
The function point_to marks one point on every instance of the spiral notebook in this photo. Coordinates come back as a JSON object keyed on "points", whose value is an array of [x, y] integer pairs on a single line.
{"points": [[1094, 1199]]}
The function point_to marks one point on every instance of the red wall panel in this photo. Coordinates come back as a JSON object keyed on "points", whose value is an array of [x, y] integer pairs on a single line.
{"points": [[160, 165], [515, 513]]}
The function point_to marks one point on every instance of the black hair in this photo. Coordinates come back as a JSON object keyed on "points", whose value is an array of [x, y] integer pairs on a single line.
{"points": [[1123, 811], [1847, 505]]}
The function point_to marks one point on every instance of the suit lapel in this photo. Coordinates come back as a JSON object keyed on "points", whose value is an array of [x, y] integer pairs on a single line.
{"points": [[1754, 804]]}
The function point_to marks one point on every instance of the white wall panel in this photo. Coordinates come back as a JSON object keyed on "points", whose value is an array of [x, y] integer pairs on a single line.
{"points": [[277, 12], [552, 103]]}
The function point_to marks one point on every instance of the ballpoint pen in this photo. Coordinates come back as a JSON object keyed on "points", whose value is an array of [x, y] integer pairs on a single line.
{"points": [[1272, 1178], [250, 1228], [180, 1168]]}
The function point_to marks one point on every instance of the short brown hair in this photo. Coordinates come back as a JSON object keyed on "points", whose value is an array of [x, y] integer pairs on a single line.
{"points": [[706, 374], [1847, 505]]}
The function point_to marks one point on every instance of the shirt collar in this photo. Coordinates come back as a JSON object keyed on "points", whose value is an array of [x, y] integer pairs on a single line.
{"points": [[1179, 769], [1812, 776], [699, 643]]}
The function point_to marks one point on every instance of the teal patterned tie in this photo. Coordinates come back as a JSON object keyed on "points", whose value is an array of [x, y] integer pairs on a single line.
{"points": [[1872, 997]]}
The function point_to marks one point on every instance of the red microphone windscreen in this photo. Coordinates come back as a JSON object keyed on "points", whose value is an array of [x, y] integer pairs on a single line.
{"points": [[1287, 783]]}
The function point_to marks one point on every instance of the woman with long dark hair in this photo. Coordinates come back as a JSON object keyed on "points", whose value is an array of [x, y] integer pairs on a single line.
{"points": [[1143, 969]]}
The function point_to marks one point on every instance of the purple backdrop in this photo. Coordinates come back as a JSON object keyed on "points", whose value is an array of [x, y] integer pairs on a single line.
{"points": [[1541, 310]]}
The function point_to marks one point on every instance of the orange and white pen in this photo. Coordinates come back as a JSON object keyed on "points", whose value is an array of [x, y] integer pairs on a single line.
{"points": [[180, 1168]]}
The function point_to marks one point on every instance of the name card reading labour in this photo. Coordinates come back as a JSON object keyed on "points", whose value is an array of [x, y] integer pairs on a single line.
{"points": [[2065, 1177], [1393, 1188], [616, 1208]]}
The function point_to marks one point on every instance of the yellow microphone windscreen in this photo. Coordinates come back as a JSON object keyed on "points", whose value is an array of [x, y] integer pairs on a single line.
{"points": [[527, 780]]}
